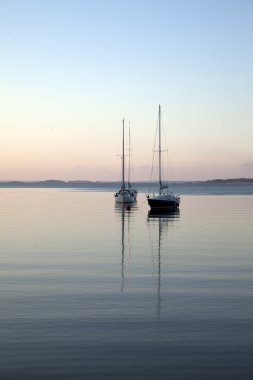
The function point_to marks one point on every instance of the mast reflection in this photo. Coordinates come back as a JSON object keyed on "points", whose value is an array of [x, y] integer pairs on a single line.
{"points": [[124, 211], [162, 219]]}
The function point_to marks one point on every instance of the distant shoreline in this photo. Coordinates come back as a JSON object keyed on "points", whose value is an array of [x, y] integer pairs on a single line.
{"points": [[85, 183]]}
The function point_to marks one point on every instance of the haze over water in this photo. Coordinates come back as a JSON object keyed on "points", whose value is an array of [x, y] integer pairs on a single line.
{"points": [[92, 291]]}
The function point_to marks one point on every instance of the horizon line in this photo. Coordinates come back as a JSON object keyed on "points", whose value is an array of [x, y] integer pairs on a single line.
{"points": [[118, 181]]}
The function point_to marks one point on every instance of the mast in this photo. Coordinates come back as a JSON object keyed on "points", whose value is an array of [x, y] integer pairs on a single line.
{"points": [[129, 157], [160, 151], [123, 157]]}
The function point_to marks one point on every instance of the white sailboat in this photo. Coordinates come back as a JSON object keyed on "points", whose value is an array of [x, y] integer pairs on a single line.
{"points": [[164, 199], [124, 195]]}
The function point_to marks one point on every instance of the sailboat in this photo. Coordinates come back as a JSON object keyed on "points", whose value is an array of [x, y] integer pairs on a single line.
{"points": [[124, 195], [164, 199]]}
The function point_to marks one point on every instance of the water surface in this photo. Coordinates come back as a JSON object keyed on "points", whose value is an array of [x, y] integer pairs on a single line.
{"points": [[92, 291]]}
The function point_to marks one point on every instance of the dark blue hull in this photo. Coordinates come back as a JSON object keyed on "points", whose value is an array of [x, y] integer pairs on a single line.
{"points": [[163, 204]]}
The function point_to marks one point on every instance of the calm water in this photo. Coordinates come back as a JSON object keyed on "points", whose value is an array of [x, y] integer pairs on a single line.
{"points": [[92, 291]]}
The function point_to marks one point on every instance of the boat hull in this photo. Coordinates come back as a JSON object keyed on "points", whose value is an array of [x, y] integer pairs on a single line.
{"points": [[124, 196], [163, 204]]}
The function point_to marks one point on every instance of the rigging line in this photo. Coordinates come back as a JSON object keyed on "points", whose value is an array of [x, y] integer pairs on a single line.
{"points": [[154, 151], [118, 168], [169, 166], [131, 175], [166, 165], [164, 136], [169, 172], [129, 155]]}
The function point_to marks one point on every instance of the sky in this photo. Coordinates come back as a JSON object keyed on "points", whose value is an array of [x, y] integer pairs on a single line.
{"points": [[71, 70]]}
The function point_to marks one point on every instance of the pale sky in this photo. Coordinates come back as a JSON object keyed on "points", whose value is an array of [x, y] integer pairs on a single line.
{"points": [[70, 70]]}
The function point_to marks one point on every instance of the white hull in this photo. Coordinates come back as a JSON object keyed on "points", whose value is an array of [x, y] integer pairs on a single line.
{"points": [[124, 196]]}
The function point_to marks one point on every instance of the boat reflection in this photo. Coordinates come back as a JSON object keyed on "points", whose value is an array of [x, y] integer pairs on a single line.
{"points": [[160, 221], [124, 211], [164, 214]]}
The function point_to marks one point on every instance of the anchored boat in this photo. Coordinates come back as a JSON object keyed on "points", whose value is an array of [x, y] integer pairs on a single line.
{"points": [[164, 199], [125, 194]]}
